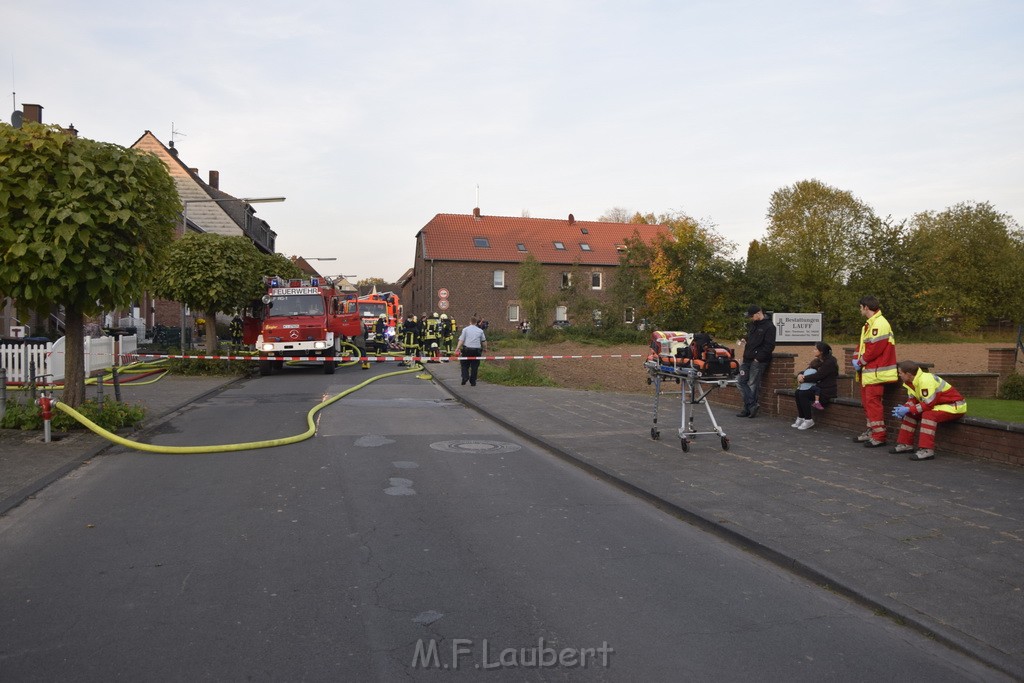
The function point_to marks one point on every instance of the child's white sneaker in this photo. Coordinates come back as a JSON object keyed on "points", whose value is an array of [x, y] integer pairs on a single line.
{"points": [[799, 421], [807, 424]]}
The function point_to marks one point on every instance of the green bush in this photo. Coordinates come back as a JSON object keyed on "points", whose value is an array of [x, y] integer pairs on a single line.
{"points": [[111, 415], [516, 373], [200, 366], [1013, 388]]}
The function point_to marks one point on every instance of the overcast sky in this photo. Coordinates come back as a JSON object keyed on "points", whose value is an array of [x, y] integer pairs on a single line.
{"points": [[373, 117]]}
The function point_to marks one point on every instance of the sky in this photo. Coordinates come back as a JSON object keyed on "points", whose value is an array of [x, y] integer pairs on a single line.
{"points": [[371, 118]]}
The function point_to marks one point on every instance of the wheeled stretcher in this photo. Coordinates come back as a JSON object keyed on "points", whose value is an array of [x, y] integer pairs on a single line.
{"points": [[699, 367]]}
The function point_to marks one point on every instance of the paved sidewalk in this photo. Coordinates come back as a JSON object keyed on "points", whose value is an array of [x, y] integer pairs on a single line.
{"points": [[938, 544]]}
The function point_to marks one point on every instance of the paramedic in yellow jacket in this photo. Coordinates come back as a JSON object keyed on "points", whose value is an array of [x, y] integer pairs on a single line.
{"points": [[931, 400], [875, 364]]}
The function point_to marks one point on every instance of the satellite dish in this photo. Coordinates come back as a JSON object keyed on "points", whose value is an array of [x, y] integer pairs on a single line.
{"points": [[16, 118]]}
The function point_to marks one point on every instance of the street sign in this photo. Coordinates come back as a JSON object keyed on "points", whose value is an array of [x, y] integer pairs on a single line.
{"points": [[443, 304], [442, 293]]}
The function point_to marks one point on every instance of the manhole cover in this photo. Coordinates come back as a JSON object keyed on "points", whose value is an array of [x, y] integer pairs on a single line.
{"points": [[475, 446]]}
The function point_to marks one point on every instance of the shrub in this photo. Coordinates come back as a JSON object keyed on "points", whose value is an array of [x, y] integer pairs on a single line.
{"points": [[111, 415], [200, 366], [1013, 388]]}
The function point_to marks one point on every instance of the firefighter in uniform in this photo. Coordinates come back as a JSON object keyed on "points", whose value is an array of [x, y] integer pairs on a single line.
{"points": [[431, 337], [930, 400], [445, 332], [380, 335], [410, 335], [875, 364]]}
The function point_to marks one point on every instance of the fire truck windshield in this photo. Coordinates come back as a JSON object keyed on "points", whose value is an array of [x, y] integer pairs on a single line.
{"points": [[296, 304], [368, 310]]}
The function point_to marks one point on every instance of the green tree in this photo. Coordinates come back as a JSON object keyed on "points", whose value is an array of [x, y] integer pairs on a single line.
{"points": [[823, 235], [533, 295], [214, 274], [972, 255], [692, 278], [83, 224]]}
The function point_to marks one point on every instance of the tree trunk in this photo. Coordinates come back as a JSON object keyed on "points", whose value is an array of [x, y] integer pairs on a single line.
{"points": [[74, 358], [211, 333]]}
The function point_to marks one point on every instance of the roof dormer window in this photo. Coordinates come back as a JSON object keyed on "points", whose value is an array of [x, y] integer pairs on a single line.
{"points": [[481, 242], [521, 247], [560, 246], [584, 246]]}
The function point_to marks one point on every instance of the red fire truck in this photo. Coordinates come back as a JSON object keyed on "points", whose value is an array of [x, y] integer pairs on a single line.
{"points": [[369, 307], [305, 318]]}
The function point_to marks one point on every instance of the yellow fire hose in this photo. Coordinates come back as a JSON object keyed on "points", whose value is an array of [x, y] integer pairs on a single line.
{"points": [[227, 448]]}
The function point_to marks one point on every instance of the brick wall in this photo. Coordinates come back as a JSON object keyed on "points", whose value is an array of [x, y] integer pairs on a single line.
{"points": [[471, 289]]}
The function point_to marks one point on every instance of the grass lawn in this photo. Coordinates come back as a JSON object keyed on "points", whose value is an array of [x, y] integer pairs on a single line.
{"points": [[996, 409]]}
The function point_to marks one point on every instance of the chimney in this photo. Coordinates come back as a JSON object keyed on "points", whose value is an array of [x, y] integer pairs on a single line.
{"points": [[572, 219], [33, 113], [476, 213], [215, 179]]}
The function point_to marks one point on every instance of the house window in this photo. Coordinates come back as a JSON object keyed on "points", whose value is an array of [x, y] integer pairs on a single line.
{"points": [[499, 279], [561, 314], [595, 280], [630, 316], [560, 246], [481, 242], [584, 246], [513, 313], [566, 280], [521, 247]]}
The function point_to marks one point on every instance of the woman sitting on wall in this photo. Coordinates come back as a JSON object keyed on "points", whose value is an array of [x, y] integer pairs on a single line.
{"points": [[818, 385]]}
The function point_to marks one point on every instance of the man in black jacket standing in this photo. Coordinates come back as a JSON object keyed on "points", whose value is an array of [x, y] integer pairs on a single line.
{"points": [[757, 354]]}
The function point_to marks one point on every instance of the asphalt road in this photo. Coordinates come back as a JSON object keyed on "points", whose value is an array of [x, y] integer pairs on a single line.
{"points": [[411, 538]]}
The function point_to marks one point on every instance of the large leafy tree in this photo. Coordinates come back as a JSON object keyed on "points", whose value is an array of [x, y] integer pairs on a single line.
{"points": [[823, 235], [214, 274], [83, 224], [972, 256], [691, 276]]}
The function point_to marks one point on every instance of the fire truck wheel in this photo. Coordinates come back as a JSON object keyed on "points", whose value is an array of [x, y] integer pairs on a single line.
{"points": [[329, 366], [266, 367]]}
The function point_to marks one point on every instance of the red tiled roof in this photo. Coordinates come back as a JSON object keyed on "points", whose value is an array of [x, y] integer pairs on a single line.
{"points": [[450, 237]]}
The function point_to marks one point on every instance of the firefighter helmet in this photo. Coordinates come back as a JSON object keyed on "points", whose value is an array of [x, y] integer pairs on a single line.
{"points": [[444, 316]]}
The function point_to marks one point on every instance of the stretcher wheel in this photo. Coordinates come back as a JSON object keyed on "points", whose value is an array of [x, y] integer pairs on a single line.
{"points": [[685, 443], [655, 434], [725, 443]]}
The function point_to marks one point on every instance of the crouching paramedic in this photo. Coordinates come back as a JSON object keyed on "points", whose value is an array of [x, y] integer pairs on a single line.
{"points": [[931, 400]]}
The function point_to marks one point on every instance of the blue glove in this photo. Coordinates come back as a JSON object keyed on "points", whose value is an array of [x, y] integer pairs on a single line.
{"points": [[900, 412], [857, 365]]}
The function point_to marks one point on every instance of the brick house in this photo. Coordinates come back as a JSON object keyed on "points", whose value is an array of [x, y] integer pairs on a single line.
{"points": [[209, 210], [469, 264]]}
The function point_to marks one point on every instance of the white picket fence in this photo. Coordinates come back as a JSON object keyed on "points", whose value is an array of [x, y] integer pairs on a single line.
{"points": [[100, 354]]}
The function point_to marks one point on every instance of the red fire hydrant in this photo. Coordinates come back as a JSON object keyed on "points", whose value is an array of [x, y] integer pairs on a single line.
{"points": [[46, 407]]}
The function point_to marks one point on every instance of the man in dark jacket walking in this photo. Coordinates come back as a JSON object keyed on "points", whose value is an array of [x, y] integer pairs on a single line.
{"points": [[757, 354]]}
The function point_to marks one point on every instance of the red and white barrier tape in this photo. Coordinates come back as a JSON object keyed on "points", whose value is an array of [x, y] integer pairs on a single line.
{"points": [[382, 359]]}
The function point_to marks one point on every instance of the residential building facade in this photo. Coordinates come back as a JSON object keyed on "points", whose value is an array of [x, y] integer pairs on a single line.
{"points": [[469, 265]]}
